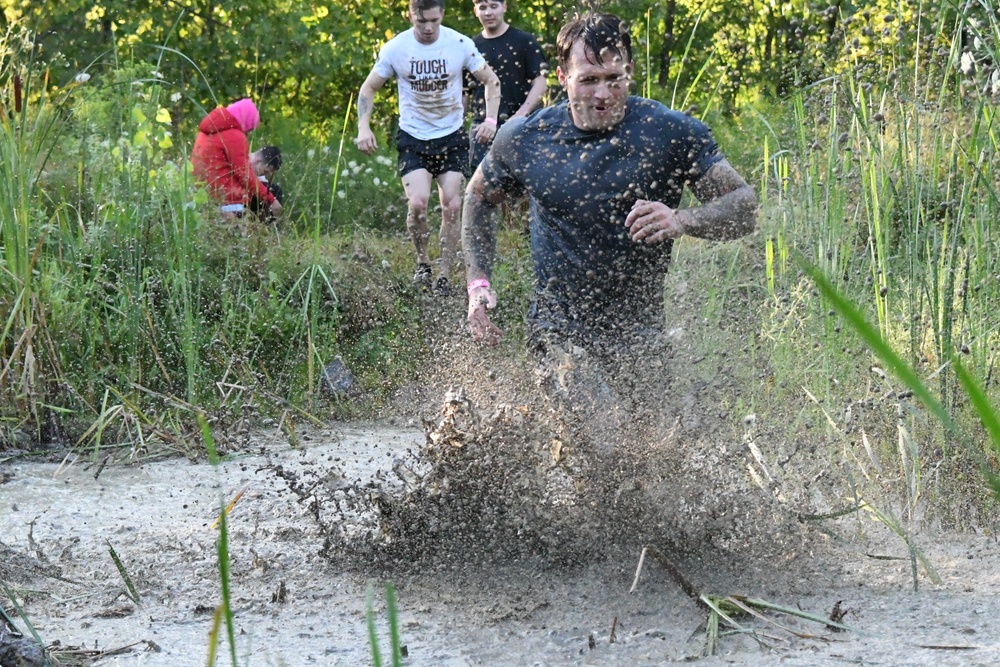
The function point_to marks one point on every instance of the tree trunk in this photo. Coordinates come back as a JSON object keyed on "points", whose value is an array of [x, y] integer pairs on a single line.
{"points": [[668, 43]]}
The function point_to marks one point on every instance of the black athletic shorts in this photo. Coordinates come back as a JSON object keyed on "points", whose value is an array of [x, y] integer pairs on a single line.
{"points": [[438, 156]]}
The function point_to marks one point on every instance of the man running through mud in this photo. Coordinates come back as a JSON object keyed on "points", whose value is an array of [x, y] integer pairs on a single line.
{"points": [[428, 62], [604, 172]]}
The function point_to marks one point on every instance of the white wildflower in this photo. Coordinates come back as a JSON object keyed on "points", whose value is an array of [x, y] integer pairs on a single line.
{"points": [[82, 77], [345, 174], [355, 169], [968, 63], [332, 171], [326, 150], [341, 194], [368, 170], [310, 153], [156, 73], [176, 97], [352, 164], [377, 181], [978, 44], [995, 82]]}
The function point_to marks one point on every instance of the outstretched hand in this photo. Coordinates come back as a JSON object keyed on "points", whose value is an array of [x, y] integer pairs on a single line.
{"points": [[366, 142], [654, 222], [483, 330], [485, 133]]}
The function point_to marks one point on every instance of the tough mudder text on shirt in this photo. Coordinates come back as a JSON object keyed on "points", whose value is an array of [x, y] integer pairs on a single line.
{"points": [[429, 80]]}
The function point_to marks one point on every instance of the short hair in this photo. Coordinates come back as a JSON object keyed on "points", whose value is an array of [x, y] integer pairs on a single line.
{"points": [[599, 32], [421, 6], [270, 156]]}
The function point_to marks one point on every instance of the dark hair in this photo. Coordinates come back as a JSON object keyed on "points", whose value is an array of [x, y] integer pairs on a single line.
{"points": [[271, 157], [421, 6], [600, 33]]}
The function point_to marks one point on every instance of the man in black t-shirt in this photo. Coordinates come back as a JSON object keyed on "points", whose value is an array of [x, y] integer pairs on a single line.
{"points": [[604, 173], [518, 61]]}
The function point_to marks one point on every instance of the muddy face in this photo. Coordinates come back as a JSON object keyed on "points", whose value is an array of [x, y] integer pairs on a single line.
{"points": [[597, 91]]}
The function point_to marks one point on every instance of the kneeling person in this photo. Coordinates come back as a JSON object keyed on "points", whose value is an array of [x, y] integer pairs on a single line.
{"points": [[266, 162], [221, 159]]}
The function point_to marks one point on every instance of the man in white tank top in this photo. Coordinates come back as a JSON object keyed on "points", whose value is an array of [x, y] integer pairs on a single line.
{"points": [[428, 62]]}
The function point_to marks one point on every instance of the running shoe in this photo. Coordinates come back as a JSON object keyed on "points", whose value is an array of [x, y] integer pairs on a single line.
{"points": [[422, 277], [442, 287]]}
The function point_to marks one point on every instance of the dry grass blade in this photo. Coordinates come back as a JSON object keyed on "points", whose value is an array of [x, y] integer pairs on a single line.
{"points": [[871, 453], [97, 654], [916, 555], [671, 569], [792, 611], [232, 504], [727, 609]]}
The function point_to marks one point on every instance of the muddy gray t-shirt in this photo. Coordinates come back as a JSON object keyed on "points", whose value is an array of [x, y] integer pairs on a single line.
{"points": [[592, 280]]}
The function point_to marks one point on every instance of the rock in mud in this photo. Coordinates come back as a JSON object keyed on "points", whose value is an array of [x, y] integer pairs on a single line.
{"points": [[14, 439], [20, 652], [338, 380]]}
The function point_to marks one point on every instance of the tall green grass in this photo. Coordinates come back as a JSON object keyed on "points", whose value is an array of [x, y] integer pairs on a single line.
{"points": [[886, 185], [127, 304], [395, 644], [30, 127]]}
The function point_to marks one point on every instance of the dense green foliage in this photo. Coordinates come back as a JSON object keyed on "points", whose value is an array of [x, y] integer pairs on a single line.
{"points": [[126, 307], [305, 59]]}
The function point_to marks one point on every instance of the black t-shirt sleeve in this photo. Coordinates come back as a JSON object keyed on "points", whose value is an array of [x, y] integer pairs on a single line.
{"points": [[703, 151], [536, 63]]}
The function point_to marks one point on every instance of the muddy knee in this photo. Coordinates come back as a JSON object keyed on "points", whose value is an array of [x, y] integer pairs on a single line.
{"points": [[417, 207]]}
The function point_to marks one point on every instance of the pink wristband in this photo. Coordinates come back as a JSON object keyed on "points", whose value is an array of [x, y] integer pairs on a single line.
{"points": [[477, 283], [489, 121]]}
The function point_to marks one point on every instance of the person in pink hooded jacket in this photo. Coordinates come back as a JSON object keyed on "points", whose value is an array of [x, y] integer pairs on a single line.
{"points": [[221, 158]]}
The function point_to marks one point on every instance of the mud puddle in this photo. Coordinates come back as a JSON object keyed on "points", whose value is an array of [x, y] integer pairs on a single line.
{"points": [[294, 607]]}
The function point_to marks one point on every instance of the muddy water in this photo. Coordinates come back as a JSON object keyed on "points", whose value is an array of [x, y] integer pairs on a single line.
{"points": [[59, 521]]}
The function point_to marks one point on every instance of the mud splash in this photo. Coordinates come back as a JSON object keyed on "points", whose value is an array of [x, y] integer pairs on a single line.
{"points": [[563, 463]]}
